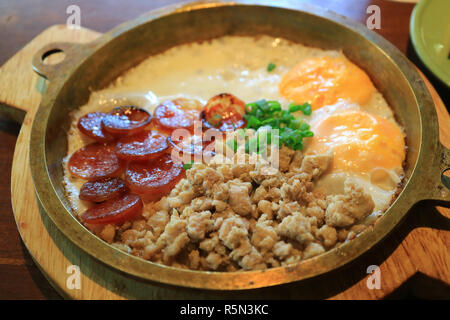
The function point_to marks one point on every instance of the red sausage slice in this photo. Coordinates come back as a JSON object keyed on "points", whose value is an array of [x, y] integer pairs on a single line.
{"points": [[126, 120], [95, 161], [224, 112], [102, 190], [142, 146], [117, 210], [91, 125], [178, 114], [154, 178]]}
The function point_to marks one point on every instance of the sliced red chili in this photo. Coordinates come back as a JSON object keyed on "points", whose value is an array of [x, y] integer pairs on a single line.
{"points": [[224, 112]]}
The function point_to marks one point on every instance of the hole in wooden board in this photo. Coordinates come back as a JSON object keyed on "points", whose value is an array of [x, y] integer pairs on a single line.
{"points": [[53, 57]]}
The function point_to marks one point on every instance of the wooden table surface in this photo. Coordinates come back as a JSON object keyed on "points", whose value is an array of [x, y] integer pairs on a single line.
{"points": [[22, 20]]}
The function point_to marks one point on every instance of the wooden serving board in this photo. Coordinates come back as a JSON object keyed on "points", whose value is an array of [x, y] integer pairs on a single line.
{"points": [[420, 246]]}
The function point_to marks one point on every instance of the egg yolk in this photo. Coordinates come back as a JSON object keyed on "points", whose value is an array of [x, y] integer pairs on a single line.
{"points": [[322, 81], [361, 142]]}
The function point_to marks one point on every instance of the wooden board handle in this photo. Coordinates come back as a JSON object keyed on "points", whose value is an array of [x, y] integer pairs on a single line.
{"points": [[17, 75]]}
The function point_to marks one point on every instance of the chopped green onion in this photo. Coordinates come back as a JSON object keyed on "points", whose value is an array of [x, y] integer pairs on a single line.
{"points": [[307, 109], [187, 166], [304, 126], [271, 66], [291, 129], [253, 122], [304, 108], [308, 134], [295, 124], [294, 108]]}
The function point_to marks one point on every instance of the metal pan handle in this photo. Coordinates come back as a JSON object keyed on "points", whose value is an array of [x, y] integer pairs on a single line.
{"points": [[440, 194], [47, 71]]}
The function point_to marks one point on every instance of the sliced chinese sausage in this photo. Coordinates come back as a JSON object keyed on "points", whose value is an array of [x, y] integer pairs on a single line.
{"points": [[224, 112], [117, 210], [91, 125], [126, 120], [144, 145], [179, 113], [102, 189], [95, 161], [154, 178]]}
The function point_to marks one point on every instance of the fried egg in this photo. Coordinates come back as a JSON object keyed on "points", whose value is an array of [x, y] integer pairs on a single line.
{"points": [[361, 142], [323, 81], [367, 148]]}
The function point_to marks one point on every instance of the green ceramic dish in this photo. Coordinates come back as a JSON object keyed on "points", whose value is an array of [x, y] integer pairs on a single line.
{"points": [[430, 35]]}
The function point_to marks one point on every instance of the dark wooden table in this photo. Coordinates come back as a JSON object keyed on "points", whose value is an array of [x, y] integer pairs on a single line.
{"points": [[22, 20]]}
